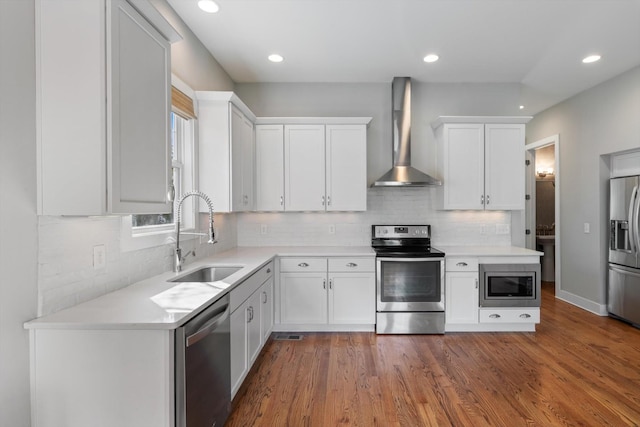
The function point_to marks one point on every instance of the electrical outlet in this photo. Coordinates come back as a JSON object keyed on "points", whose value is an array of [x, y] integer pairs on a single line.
{"points": [[263, 229], [503, 228], [99, 257], [332, 229]]}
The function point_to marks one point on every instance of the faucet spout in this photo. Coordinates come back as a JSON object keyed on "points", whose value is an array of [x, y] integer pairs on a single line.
{"points": [[179, 259]]}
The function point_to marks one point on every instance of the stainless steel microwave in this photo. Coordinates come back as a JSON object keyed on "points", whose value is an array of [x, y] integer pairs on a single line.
{"points": [[509, 285]]}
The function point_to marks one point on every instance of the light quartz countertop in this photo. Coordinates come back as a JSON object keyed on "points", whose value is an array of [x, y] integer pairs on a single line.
{"points": [[157, 303]]}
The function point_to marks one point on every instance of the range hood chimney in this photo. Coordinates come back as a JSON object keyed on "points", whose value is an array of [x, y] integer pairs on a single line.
{"points": [[402, 174]]}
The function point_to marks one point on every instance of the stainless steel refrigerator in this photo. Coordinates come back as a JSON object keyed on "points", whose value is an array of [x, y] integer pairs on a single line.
{"points": [[623, 294]]}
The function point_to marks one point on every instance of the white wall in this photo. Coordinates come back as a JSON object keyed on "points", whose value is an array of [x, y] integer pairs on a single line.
{"points": [[18, 227], [385, 205], [591, 125]]}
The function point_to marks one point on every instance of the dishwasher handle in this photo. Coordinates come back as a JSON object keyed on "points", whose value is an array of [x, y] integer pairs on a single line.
{"points": [[207, 328]]}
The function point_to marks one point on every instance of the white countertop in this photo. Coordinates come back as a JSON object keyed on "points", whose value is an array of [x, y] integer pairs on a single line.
{"points": [[156, 303], [487, 251]]}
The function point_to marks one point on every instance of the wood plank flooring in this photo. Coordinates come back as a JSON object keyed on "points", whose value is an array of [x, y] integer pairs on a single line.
{"points": [[578, 369]]}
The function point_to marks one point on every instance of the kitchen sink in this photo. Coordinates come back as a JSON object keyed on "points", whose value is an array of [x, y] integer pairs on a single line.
{"points": [[207, 274]]}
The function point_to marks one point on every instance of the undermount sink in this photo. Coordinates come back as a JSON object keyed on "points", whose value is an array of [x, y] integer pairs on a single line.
{"points": [[207, 274]]}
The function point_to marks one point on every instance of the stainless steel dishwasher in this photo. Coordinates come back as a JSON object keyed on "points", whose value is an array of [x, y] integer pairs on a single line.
{"points": [[203, 368]]}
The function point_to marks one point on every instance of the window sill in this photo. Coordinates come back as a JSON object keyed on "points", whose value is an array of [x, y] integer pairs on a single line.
{"points": [[133, 241]]}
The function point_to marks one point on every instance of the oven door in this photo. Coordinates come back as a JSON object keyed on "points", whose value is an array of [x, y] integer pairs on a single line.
{"points": [[410, 284]]}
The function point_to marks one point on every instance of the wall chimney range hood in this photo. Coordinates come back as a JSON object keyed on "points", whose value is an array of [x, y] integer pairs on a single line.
{"points": [[402, 174]]}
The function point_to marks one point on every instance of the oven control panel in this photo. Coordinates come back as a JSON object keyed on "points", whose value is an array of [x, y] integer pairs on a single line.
{"points": [[401, 231]]}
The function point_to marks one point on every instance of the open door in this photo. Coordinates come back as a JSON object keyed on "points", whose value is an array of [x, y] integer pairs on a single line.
{"points": [[530, 200]]}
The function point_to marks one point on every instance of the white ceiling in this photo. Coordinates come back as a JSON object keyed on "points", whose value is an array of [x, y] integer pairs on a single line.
{"points": [[537, 43]]}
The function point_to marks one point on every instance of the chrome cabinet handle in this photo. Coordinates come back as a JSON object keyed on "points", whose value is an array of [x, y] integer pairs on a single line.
{"points": [[352, 265], [303, 264], [281, 200], [462, 264], [487, 199], [494, 316], [476, 283], [268, 270], [482, 199], [330, 283], [525, 316], [328, 200], [324, 283], [322, 200], [264, 300]]}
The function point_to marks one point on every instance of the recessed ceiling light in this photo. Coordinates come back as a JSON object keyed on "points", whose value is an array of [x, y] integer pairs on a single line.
{"points": [[276, 58], [522, 107], [591, 58], [431, 58], [208, 6]]}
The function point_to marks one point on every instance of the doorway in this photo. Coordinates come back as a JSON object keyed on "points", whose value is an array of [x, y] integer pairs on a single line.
{"points": [[542, 209]]}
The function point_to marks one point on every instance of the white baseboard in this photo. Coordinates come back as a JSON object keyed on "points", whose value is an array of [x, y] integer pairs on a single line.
{"points": [[583, 303]]}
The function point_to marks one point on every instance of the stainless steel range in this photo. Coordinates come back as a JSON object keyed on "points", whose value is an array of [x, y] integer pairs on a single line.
{"points": [[409, 280]]}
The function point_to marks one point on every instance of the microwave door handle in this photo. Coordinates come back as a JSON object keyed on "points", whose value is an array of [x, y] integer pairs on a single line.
{"points": [[631, 219]]}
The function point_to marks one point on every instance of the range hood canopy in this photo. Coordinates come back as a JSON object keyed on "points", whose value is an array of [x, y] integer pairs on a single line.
{"points": [[402, 173]]}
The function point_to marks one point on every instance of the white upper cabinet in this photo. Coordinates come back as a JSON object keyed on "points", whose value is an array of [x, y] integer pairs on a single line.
{"points": [[270, 167], [226, 151], [482, 162], [103, 107], [304, 172], [320, 165]]}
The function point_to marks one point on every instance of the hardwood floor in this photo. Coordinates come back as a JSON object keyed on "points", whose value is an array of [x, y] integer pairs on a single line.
{"points": [[578, 369]]}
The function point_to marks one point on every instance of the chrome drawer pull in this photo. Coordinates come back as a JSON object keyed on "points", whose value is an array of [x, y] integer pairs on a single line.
{"points": [[303, 264], [525, 316], [462, 264], [494, 316], [268, 270], [352, 264]]}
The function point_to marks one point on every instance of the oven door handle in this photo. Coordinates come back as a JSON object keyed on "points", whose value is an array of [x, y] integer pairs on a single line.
{"points": [[412, 259], [207, 328]]}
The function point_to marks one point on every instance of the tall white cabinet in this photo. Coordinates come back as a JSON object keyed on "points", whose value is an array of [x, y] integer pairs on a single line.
{"points": [[311, 164], [226, 151], [103, 106], [482, 163]]}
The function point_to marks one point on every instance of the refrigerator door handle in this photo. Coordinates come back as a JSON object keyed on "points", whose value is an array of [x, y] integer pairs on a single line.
{"points": [[633, 226], [624, 272], [636, 222]]}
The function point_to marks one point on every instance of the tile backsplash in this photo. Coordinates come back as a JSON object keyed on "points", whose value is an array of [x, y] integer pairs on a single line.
{"points": [[384, 206], [66, 275]]}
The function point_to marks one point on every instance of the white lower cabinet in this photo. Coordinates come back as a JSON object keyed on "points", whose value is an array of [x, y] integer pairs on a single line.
{"points": [[510, 315], [461, 298], [251, 323], [327, 293]]}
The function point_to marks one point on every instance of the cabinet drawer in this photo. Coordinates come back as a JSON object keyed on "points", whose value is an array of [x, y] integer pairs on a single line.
{"points": [[244, 290], [510, 315], [303, 264], [352, 264], [461, 264]]}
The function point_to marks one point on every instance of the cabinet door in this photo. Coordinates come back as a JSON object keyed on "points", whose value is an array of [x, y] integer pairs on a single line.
{"points": [[138, 109], [304, 168], [346, 167], [239, 351], [266, 309], [303, 298], [254, 329], [270, 167], [504, 167], [352, 298], [242, 155], [461, 297], [463, 158]]}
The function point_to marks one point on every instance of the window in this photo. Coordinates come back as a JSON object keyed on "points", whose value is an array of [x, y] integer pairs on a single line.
{"points": [[182, 180], [146, 231]]}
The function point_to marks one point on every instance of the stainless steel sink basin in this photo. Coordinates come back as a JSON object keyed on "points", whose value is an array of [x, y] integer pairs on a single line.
{"points": [[207, 274]]}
